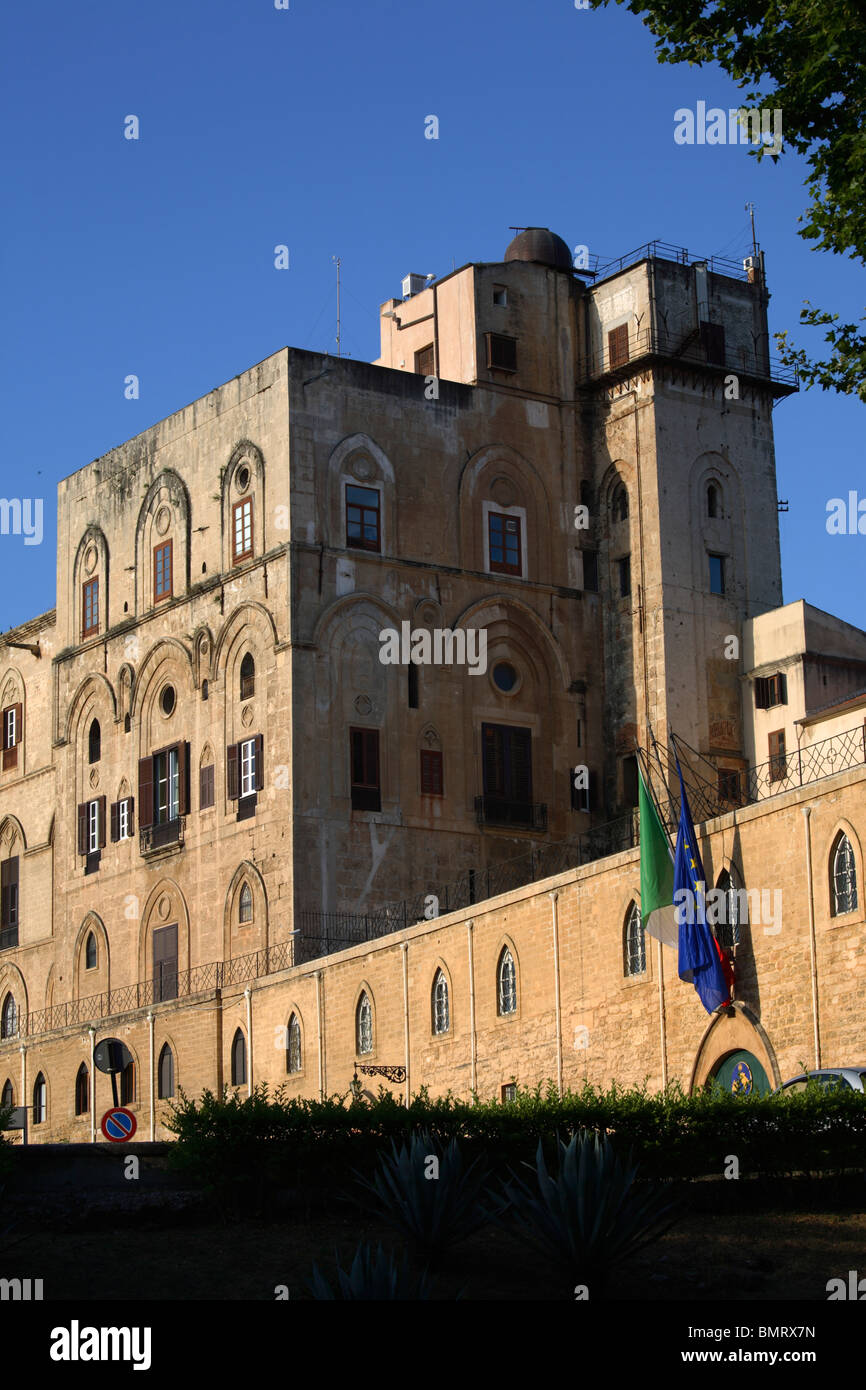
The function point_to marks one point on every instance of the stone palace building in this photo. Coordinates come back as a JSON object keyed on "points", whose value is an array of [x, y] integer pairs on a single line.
{"points": [[235, 838]]}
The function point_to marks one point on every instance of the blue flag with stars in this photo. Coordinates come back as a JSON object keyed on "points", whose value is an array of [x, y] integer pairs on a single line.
{"points": [[700, 960]]}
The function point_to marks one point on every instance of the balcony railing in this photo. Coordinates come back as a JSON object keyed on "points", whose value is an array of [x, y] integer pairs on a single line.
{"points": [[320, 933], [688, 347], [518, 815], [154, 837]]}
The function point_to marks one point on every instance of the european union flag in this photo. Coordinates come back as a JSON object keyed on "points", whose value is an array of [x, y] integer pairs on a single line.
{"points": [[700, 958]]}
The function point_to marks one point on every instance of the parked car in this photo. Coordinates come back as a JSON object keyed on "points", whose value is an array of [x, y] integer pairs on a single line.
{"points": [[849, 1078]]}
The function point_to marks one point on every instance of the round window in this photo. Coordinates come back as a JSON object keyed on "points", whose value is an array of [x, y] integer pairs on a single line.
{"points": [[167, 699], [504, 676], [243, 478]]}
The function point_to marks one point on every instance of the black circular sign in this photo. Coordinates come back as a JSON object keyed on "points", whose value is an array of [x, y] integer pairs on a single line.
{"points": [[111, 1055]]}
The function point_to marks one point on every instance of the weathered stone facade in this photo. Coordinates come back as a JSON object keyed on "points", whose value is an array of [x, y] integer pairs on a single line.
{"points": [[207, 760]]}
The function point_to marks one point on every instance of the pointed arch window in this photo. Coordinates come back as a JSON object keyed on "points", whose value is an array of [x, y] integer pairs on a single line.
{"points": [[507, 983], [82, 1090], [165, 1073], [714, 508], [635, 942], [293, 1045], [127, 1084], [364, 1025], [619, 503], [843, 878], [7, 1099], [40, 1100], [94, 742], [441, 1010], [9, 1018], [245, 905], [248, 677], [90, 954], [727, 929], [239, 1059]]}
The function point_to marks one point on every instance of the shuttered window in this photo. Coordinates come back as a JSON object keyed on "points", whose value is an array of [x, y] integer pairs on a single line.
{"points": [[9, 893], [431, 772], [165, 963], [507, 756], [364, 755], [778, 759], [206, 787], [501, 352], [424, 361], [617, 346]]}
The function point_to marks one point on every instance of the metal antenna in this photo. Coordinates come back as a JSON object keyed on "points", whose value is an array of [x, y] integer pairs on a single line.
{"points": [[750, 209], [339, 263]]}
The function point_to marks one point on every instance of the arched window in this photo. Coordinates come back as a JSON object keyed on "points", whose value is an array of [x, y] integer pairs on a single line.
{"points": [[94, 742], [82, 1090], [40, 1100], [364, 1025], [619, 503], [239, 1059], [8, 1097], [727, 928], [245, 905], [248, 677], [127, 1084], [127, 723], [9, 1018], [713, 501], [506, 977], [90, 952], [293, 1045], [165, 1079], [635, 942], [441, 1013], [204, 689], [843, 878]]}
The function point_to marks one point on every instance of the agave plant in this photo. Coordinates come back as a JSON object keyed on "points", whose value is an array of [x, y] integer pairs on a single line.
{"points": [[374, 1275], [590, 1216], [429, 1195]]}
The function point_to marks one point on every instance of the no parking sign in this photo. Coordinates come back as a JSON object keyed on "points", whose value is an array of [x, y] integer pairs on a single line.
{"points": [[118, 1124]]}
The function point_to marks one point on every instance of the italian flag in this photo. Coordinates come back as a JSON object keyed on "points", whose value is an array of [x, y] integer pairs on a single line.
{"points": [[656, 873]]}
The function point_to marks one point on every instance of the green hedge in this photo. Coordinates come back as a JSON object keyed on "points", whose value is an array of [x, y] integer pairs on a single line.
{"points": [[264, 1141]]}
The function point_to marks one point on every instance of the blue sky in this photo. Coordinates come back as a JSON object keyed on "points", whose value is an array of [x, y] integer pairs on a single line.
{"points": [[306, 127]]}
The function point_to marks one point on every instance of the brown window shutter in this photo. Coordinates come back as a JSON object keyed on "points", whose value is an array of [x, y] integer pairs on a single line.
{"points": [[260, 762], [82, 827], [101, 822], [4, 714], [617, 345], [130, 801], [145, 791], [183, 778], [205, 787], [115, 821], [19, 724], [232, 772]]}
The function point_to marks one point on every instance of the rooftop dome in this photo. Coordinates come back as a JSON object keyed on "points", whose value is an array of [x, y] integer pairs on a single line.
{"points": [[540, 245]]}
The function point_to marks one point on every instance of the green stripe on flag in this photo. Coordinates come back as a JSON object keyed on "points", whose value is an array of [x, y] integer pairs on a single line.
{"points": [[656, 873]]}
